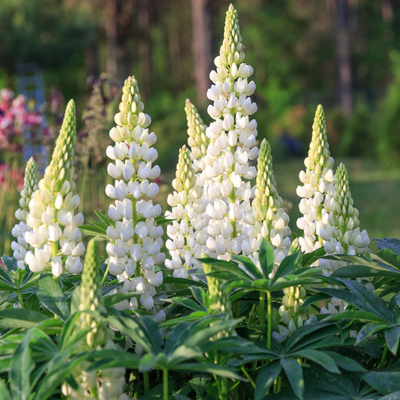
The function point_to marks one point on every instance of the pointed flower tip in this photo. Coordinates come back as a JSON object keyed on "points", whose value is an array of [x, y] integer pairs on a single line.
{"points": [[71, 105], [188, 102], [231, 7]]}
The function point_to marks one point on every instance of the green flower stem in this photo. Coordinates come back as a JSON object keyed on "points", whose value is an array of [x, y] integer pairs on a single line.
{"points": [[21, 301], [146, 380], [269, 321], [237, 309], [165, 383], [105, 273], [262, 309], [383, 359], [248, 376], [224, 389]]}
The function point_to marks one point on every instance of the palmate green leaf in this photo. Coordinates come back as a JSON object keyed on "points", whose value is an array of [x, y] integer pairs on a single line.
{"points": [[93, 230], [42, 346], [360, 271], [116, 298], [183, 353], [235, 345], [309, 258], [195, 316], [52, 297], [360, 315], [318, 357], [5, 394], [266, 378], [22, 365], [391, 396], [107, 221], [20, 318], [147, 363], [287, 266], [67, 329], [385, 382], [366, 304], [369, 329], [112, 359], [188, 303], [266, 257], [305, 332], [227, 266], [209, 368], [200, 295], [249, 265], [294, 373], [315, 298], [392, 336], [388, 257], [183, 281], [344, 362]]}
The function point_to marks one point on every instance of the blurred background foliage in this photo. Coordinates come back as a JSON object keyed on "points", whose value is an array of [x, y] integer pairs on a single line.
{"points": [[344, 54]]}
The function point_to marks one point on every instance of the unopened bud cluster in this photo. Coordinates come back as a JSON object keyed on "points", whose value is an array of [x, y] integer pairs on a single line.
{"points": [[20, 246], [54, 227], [269, 220], [318, 186], [187, 209], [197, 138], [135, 239]]}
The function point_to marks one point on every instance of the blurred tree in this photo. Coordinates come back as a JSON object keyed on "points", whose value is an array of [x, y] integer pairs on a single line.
{"points": [[201, 48]]}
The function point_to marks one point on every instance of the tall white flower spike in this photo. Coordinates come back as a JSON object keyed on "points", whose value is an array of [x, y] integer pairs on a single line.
{"points": [[187, 209], [135, 240], [55, 235], [20, 247], [269, 220], [227, 173], [342, 235], [316, 193]]}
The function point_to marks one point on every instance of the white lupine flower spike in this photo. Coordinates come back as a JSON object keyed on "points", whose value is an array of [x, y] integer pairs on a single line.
{"points": [[54, 228], [316, 191], [227, 172], [135, 242], [197, 138], [187, 209], [269, 220], [20, 247]]}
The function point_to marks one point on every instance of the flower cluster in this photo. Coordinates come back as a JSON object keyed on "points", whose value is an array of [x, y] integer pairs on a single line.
{"points": [[318, 186], [135, 240], [342, 235], [20, 247], [187, 208], [232, 144], [54, 228], [111, 383], [269, 221], [197, 140]]}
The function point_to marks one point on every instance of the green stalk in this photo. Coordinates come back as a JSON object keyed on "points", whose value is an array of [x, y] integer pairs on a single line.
{"points": [[237, 309], [105, 274], [261, 310], [224, 388], [21, 301], [146, 379], [269, 320], [248, 376], [383, 359], [165, 383]]}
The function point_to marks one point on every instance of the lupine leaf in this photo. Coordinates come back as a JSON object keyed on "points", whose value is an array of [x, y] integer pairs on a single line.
{"points": [[52, 297], [346, 363], [294, 373], [188, 303], [387, 243], [384, 382], [22, 365], [266, 257], [318, 357], [5, 394], [227, 266], [249, 265], [20, 318], [214, 369], [266, 378], [183, 281], [287, 266], [392, 336]]}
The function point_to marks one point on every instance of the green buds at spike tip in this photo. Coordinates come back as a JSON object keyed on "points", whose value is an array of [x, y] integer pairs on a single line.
{"points": [[231, 51], [266, 195], [131, 112], [318, 154], [197, 140], [219, 300], [185, 175], [342, 206], [58, 175], [30, 184], [91, 295]]}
